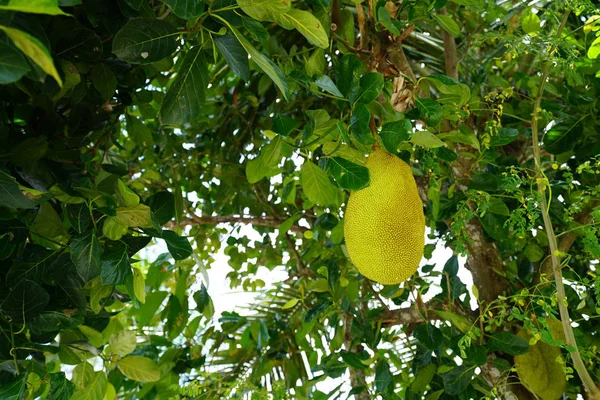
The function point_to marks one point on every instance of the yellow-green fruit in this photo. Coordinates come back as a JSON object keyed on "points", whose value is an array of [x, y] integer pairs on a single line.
{"points": [[384, 224]]}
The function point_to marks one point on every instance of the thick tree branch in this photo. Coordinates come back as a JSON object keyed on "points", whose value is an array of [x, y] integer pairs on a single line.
{"points": [[412, 315]]}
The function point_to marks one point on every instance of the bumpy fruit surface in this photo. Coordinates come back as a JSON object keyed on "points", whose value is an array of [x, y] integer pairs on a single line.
{"points": [[384, 223]]}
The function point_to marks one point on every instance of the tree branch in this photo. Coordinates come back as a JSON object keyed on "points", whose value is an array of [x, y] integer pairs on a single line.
{"points": [[450, 57], [236, 219]]}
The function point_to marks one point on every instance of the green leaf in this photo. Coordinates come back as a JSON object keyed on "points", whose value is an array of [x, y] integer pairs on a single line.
{"points": [[347, 174], [383, 376], [458, 379], [533, 252], [594, 50], [508, 343], [162, 205], [333, 149], [139, 285], [290, 304], [184, 99], [360, 124], [60, 387], [316, 63], [504, 136], [123, 343], [385, 19], [126, 196], [265, 164], [562, 137], [352, 359], [263, 10], [79, 217], [460, 322], [430, 110], [497, 206], [426, 139], [113, 229], [423, 377], [305, 23], [104, 81], [394, 133], [140, 369], [24, 300], [186, 9], [144, 41], [530, 22], [450, 90], [14, 390], [85, 254], [371, 85], [34, 49], [316, 185], [53, 321], [29, 151], [448, 24], [115, 267], [10, 194], [177, 315], [94, 390], [83, 374], [139, 132], [234, 53], [134, 216], [178, 246], [147, 311], [283, 125], [539, 370], [12, 64], [324, 82], [263, 62], [430, 336], [202, 298], [466, 137], [48, 224], [49, 7]]}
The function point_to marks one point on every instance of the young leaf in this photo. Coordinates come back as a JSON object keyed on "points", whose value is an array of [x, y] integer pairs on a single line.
{"points": [[316, 185], [305, 23]]}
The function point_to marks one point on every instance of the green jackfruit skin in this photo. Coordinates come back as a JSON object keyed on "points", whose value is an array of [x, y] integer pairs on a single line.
{"points": [[384, 223]]}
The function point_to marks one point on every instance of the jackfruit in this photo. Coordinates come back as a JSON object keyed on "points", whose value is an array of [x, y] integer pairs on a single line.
{"points": [[384, 223]]}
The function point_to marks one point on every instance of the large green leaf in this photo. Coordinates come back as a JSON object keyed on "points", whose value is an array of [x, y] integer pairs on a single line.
{"points": [[49, 7], [186, 9], [305, 23], [430, 110], [10, 194], [316, 185], [264, 63], [234, 53], [134, 216], [12, 64], [104, 81], [265, 164], [184, 99], [94, 390], [347, 174], [15, 389], [60, 387], [115, 267], [394, 133], [34, 49], [458, 379], [450, 90], [123, 343], [429, 335], [53, 321], [178, 246], [144, 41], [24, 300], [360, 124], [508, 343], [448, 24], [263, 10], [140, 369], [371, 85], [86, 253]]}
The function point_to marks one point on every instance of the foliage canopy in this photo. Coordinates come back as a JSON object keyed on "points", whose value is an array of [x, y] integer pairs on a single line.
{"points": [[131, 122]]}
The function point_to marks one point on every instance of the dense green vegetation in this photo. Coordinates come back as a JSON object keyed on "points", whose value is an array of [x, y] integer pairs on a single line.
{"points": [[125, 123]]}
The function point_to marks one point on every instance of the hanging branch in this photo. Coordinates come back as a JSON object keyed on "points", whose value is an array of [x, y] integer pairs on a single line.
{"points": [[578, 364]]}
